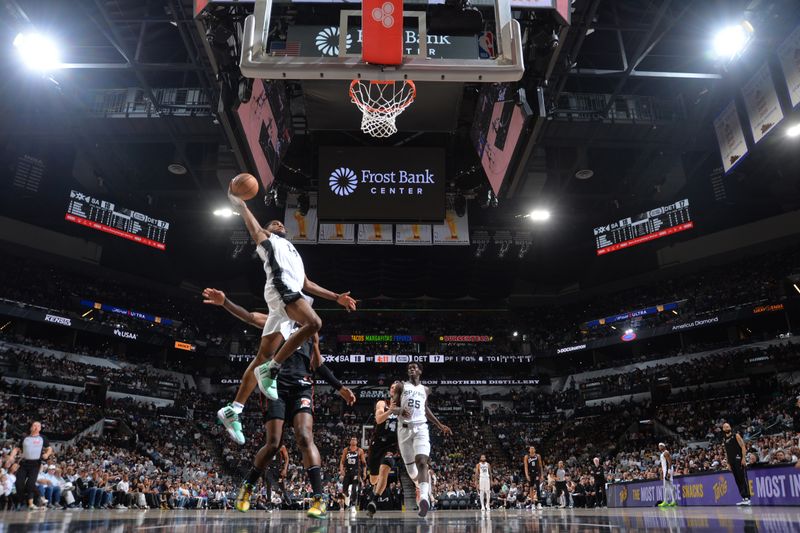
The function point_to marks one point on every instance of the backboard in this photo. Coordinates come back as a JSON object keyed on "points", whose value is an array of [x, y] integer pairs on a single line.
{"points": [[507, 65]]}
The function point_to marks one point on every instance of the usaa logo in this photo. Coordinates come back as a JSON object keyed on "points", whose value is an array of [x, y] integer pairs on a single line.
{"points": [[720, 488], [623, 494]]}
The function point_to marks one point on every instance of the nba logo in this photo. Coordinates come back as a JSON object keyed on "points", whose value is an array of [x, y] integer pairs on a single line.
{"points": [[305, 403], [486, 45]]}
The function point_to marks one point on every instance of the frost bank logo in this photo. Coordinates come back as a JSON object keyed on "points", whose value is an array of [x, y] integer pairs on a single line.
{"points": [[327, 41], [343, 181]]}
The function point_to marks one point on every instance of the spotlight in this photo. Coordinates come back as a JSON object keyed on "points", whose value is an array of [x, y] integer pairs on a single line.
{"points": [[793, 131], [225, 212], [731, 41], [539, 215], [37, 51], [515, 334]]}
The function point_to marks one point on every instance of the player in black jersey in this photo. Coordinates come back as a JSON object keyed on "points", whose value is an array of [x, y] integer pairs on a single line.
{"points": [[736, 453], [276, 472], [534, 474], [295, 398], [380, 459], [351, 470]]}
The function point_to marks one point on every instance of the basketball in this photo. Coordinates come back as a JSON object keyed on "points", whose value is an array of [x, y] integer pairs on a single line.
{"points": [[244, 186]]}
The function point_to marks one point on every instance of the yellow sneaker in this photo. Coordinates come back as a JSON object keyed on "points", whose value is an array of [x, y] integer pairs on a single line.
{"points": [[318, 509], [243, 499]]}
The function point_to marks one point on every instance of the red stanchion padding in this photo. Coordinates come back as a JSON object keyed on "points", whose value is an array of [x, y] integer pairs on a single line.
{"points": [[382, 24]]}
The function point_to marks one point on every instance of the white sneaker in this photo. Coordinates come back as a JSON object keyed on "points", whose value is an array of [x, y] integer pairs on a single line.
{"points": [[353, 511], [539, 506], [744, 502]]}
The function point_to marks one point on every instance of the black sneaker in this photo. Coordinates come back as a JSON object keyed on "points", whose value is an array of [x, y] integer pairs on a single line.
{"points": [[423, 508], [372, 508]]}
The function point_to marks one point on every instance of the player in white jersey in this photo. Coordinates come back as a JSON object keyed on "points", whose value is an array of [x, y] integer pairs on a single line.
{"points": [[411, 405], [483, 476], [668, 498], [286, 279]]}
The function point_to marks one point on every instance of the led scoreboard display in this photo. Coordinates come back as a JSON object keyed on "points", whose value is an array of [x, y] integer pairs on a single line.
{"points": [[644, 227], [126, 223]]}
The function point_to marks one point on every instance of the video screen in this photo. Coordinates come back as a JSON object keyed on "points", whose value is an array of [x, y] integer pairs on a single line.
{"points": [[498, 126]]}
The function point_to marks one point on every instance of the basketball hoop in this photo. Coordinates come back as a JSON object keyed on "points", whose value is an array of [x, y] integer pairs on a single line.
{"points": [[380, 102]]}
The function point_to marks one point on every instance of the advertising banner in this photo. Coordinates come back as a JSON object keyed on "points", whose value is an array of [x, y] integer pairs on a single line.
{"points": [[381, 184], [769, 486], [732, 146], [375, 234], [75, 322], [301, 229], [789, 56], [454, 230], [666, 329], [413, 234], [337, 234], [762, 104], [380, 338], [323, 41]]}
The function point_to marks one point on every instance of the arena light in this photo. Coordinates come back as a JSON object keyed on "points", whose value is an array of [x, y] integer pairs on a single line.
{"points": [[225, 212], [515, 334], [730, 41], [796, 288], [37, 51], [539, 215], [793, 131]]}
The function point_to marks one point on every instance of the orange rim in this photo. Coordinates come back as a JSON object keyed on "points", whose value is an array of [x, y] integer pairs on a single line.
{"points": [[383, 110]]}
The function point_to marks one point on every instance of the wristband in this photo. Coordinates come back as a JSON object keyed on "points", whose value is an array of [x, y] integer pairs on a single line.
{"points": [[326, 374]]}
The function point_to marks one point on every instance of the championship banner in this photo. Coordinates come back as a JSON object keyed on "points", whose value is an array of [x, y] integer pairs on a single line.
{"points": [[730, 136], [413, 234], [769, 486], [301, 229], [337, 234], [454, 230], [789, 56], [375, 234], [762, 104]]}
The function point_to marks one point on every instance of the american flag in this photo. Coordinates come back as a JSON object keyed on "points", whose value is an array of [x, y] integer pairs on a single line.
{"points": [[287, 48]]}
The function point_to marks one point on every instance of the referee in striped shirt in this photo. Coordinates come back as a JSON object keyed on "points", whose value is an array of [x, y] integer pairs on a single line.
{"points": [[35, 449]]}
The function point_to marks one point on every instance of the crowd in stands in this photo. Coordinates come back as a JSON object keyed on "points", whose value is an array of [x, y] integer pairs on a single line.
{"points": [[178, 457], [750, 280], [33, 363]]}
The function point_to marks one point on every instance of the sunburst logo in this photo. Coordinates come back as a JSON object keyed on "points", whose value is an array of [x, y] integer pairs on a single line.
{"points": [[327, 41], [343, 181]]}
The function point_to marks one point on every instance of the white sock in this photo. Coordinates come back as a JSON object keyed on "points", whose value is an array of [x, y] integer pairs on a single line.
{"points": [[424, 487], [237, 408], [413, 473]]}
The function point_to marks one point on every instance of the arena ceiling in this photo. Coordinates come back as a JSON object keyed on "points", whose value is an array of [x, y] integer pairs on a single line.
{"points": [[650, 142]]}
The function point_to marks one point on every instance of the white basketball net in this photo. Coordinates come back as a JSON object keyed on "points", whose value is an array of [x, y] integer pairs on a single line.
{"points": [[380, 102]]}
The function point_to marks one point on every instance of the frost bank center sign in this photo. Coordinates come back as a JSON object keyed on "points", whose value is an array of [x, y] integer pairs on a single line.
{"points": [[381, 184]]}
